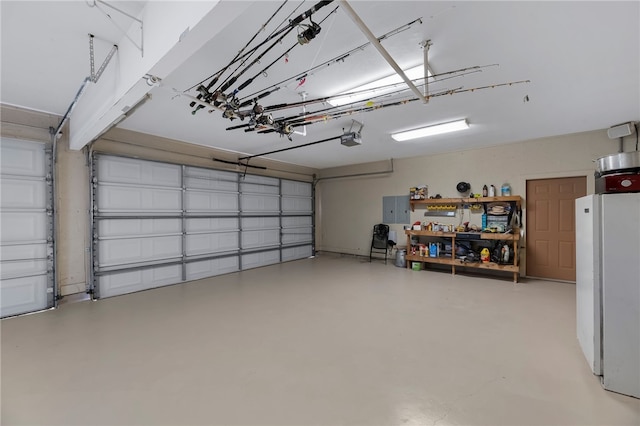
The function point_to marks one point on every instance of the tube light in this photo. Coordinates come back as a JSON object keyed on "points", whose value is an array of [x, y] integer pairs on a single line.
{"points": [[377, 87], [436, 129]]}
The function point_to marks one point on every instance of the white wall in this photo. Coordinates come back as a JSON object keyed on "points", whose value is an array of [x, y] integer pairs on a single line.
{"points": [[349, 207]]}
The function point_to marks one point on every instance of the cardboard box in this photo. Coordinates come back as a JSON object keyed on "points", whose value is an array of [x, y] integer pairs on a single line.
{"points": [[418, 192]]}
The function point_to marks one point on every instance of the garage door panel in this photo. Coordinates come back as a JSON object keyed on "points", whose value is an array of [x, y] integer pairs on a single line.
{"points": [[294, 253], [247, 188], [259, 239], [212, 224], [23, 194], [138, 250], [255, 180], [297, 236], [23, 158], [253, 223], [212, 267], [297, 205], [113, 199], [20, 295], [24, 227], [298, 189], [23, 260], [118, 283], [255, 260], [260, 203], [297, 222], [218, 202], [138, 172], [197, 178], [212, 243], [108, 228]]}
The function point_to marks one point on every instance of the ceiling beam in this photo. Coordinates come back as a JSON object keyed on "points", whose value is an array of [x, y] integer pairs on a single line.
{"points": [[173, 31], [376, 43]]}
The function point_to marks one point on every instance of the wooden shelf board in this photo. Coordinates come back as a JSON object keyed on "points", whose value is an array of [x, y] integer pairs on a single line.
{"points": [[483, 235], [490, 265], [511, 198], [425, 233], [498, 236], [457, 262], [440, 260]]}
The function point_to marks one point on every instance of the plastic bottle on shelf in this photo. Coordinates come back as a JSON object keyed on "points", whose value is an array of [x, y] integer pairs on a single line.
{"points": [[492, 191], [506, 190], [484, 191]]}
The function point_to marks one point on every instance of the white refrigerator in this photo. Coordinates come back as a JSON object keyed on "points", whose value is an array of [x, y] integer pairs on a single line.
{"points": [[608, 288]]}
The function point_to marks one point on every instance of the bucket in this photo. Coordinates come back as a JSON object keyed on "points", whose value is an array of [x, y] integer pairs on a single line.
{"points": [[401, 259]]}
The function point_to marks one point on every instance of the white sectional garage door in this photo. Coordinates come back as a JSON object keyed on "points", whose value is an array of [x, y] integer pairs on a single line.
{"points": [[156, 224], [26, 238]]}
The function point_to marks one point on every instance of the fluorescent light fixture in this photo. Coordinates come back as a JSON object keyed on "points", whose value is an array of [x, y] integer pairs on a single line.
{"points": [[436, 129], [378, 87]]}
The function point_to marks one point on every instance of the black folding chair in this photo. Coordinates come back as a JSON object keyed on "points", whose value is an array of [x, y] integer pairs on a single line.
{"points": [[379, 241]]}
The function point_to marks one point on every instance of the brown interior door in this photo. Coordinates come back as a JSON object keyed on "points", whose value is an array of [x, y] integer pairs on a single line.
{"points": [[551, 251]]}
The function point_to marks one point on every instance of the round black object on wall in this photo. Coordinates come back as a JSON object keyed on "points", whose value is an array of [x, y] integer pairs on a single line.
{"points": [[463, 187]]}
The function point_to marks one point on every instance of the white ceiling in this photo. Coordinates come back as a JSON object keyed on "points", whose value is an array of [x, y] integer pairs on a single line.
{"points": [[582, 60]]}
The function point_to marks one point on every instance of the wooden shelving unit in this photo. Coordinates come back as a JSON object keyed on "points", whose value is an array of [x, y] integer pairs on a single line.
{"points": [[453, 262], [458, 201], [513, 237]]}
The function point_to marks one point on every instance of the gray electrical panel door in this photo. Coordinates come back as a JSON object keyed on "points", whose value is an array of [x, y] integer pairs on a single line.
{"points": [[389, 209], [402, 209], [395, 209]]}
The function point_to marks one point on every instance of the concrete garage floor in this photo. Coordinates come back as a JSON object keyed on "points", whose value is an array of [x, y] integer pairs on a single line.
{"points": [[325, 341]]}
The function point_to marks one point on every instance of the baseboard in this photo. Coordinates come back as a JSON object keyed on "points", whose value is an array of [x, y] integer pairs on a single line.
{"points": [[68, 289]]}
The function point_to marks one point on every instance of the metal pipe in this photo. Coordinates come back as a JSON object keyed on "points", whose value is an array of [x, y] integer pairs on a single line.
{"points": [[54, 223], [183, 220], [72, 106], [425, 46], [374, 41], [621, 147], [124, 31], [90, 286]]}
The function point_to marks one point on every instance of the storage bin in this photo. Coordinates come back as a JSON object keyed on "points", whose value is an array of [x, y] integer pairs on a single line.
{"points": [[416, 266]]}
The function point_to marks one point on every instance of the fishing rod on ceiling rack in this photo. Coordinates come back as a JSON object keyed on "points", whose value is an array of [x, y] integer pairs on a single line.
{"points": [[248, 55], [266, 121], [307, 37], [340, 58], [285, 126], [458, 90], [367, 108], [262, 111], [418, 81], [218, 94], [216, 75], [219, 73], [338, 114]]}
